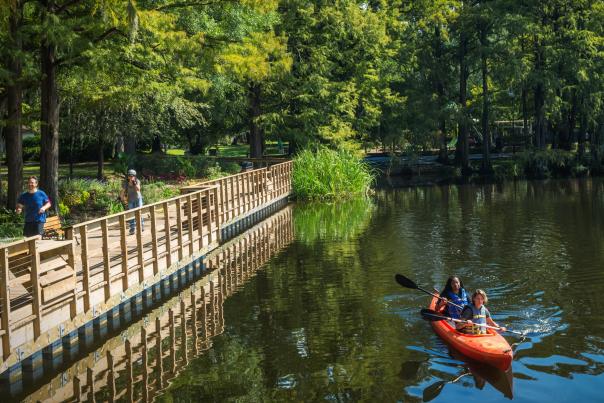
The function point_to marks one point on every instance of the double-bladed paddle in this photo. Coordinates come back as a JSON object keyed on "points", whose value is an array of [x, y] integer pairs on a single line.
{"points": [[432, 315], [408, 283]]}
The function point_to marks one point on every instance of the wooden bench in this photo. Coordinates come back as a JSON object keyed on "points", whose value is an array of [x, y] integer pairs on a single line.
{"points": [[53, 228]]}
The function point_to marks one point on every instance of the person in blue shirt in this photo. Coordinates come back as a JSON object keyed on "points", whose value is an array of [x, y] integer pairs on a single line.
{"points": [[35, 202], [456, 293]]}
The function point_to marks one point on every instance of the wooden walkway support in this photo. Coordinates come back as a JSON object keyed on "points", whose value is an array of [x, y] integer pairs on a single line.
{"points": [[50, 287]]}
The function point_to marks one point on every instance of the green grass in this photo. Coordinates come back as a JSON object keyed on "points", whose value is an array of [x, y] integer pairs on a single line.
{"points": [[80, 170], [329, 174]]}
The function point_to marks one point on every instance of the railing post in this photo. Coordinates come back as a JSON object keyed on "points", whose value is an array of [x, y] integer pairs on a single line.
{"points": [[217, 207], [139, 246], [85, 268], [200, 217], [71, 262], [5, 295], [106, 263], [35, 287], [238, 188], [179, 228], [153, 217], [167, 234], [190, 223], [124, 250]]}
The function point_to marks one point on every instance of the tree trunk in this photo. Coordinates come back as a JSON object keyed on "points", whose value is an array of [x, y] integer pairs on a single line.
{"points": [[49, 147], [12, 132], [130, 145], [525, 118], [582, 134], [156, 145], [486, 136], [462, 150], [256, 134], [440, 91], [539, 89], [100, 174]]}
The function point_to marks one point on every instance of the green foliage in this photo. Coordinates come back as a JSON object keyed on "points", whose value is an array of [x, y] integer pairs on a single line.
{"points": [[552, 163], [329, 174], [31, 148], [11, 225]]}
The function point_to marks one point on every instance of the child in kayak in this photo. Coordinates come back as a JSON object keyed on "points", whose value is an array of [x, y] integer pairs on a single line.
{"points": [[477, 313], [455, 293]]}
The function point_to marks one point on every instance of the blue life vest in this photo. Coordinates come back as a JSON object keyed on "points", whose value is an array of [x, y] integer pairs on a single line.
{"points": [[479, 316], [461, 300]]}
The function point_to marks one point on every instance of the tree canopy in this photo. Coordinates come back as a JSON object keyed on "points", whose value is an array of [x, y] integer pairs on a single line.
{"points": [[128, 75]]}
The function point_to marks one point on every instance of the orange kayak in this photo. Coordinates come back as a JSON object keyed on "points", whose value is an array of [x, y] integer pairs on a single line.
{"points": [[490, 348]]}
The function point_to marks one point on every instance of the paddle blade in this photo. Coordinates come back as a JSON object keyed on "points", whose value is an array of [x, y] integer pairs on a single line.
{"points": [[405, 282], [433, 316], [432, 391]]}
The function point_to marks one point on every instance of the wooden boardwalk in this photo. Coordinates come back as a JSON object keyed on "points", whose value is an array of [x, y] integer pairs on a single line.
{"points": [[139, 364], [56, 286]]}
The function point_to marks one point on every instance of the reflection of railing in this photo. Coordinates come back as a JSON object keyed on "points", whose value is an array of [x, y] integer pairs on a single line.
{"points": [[45, 283], [139, 364]]}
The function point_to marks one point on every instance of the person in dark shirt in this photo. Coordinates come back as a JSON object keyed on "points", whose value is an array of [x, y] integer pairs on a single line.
{"points": [[35, 202]]}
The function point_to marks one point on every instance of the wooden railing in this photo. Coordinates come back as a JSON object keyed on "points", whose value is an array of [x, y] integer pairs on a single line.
{"points": [[122, 250], [139, 364], [246, 191], [43, 283]]}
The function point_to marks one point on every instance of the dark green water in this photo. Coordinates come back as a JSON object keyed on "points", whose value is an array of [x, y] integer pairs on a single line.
{"points": [[324, 320]]}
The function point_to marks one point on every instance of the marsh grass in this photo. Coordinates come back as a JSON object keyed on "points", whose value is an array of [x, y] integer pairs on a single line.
{"points": [[329, 175]]}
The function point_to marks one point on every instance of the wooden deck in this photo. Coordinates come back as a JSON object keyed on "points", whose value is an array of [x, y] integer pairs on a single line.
{"points": [[51, 283]]}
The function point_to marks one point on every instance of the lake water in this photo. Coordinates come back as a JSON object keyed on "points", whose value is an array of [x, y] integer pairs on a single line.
{"points": [[324, 320]]}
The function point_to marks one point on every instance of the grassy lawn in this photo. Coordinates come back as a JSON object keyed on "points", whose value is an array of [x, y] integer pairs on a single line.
{"points": [[240, 150], [81, 170]]}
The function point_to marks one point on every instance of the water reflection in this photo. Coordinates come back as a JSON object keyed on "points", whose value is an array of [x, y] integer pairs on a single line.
{"points": [[140, 363], [326, 321]]}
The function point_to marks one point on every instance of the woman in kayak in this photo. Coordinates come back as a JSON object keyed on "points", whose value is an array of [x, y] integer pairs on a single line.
{"points": [[455, 293], [476, 314]]}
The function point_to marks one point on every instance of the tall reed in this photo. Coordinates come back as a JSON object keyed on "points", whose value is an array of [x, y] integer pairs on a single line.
{"points": [[330, 174]]}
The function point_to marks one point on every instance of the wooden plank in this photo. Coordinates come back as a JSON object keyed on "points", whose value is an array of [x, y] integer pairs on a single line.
{"points": [[106, 262], [85, 268], [190, 232], [179, 228], [35, 288], [153, 214], [5, 295], [124, 251], [139, 246], [168, 237]]}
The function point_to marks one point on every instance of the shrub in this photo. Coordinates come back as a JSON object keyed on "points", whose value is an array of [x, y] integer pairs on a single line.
{"points": [[11, 225], [329, 174]]}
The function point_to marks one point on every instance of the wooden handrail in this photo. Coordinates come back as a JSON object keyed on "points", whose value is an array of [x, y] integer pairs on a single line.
{"points": [[130, 211]]}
